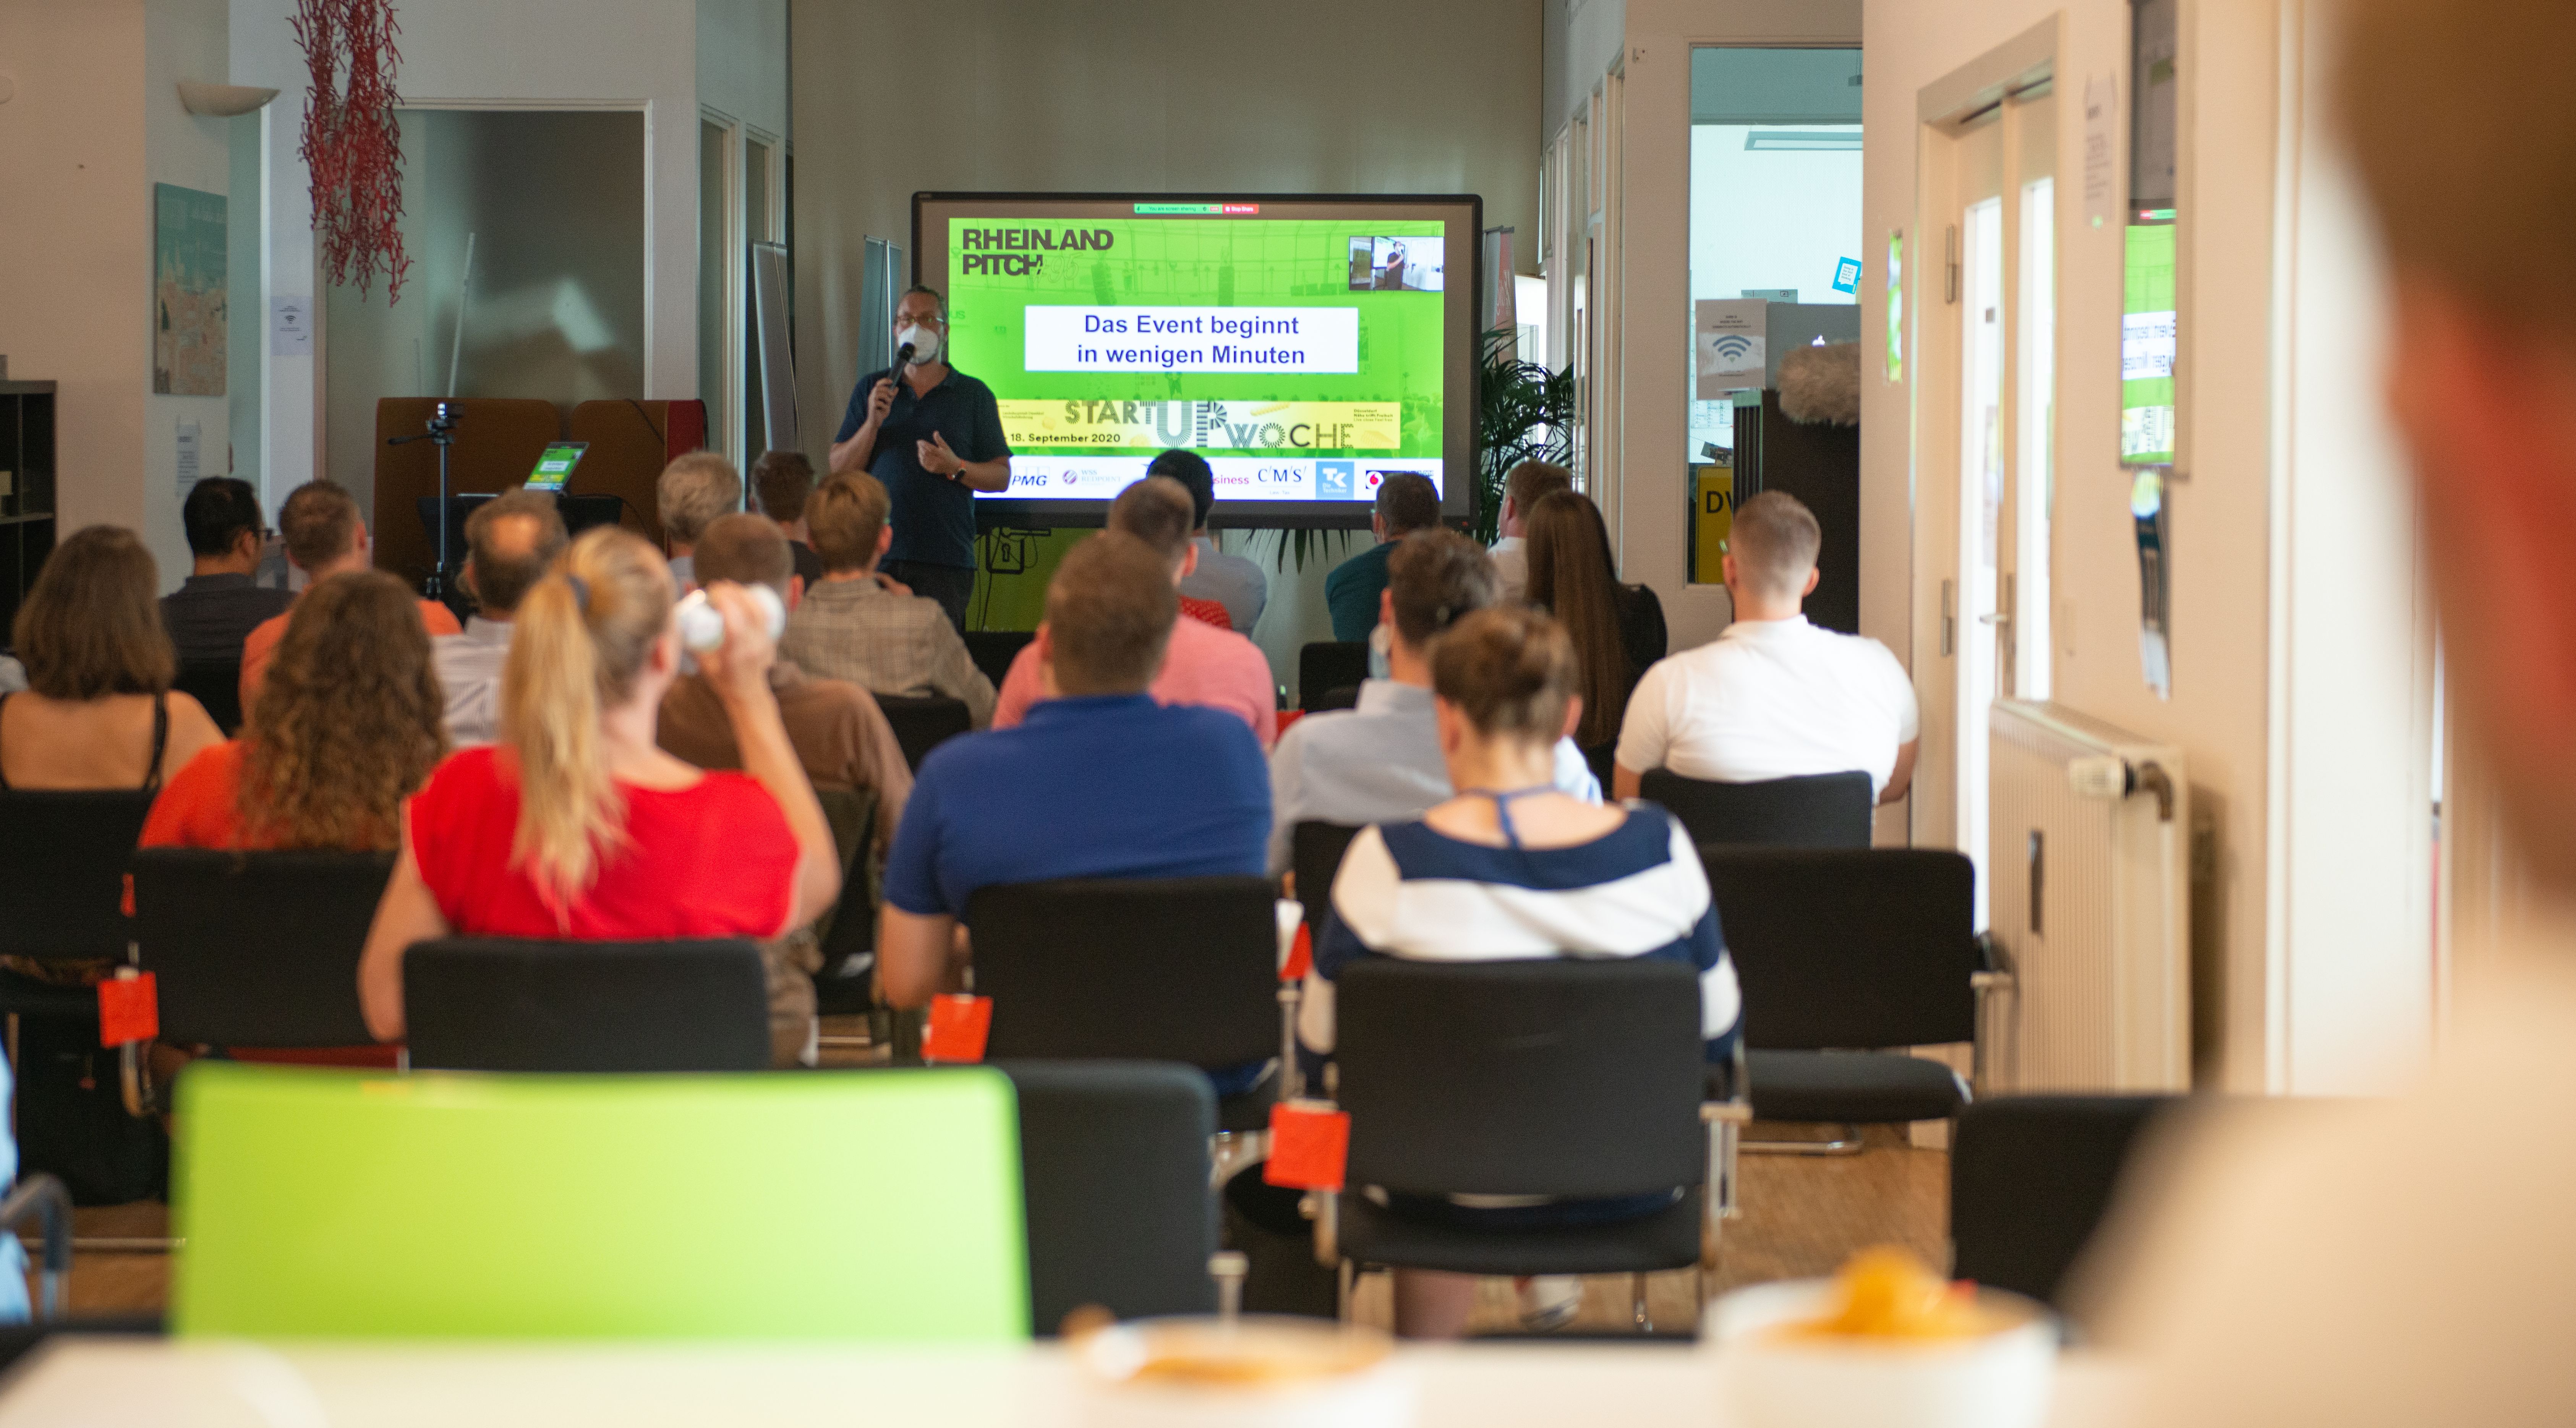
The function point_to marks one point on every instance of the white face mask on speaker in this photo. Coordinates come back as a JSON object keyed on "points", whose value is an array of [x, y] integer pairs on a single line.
{"points": [[924, 342]]}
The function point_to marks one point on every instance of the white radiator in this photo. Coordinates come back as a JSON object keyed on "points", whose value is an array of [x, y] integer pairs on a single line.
{"points": [[2089, 895]]}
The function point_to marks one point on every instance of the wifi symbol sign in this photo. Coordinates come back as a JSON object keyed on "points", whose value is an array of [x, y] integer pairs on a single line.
{"points": [[1732, 346]]}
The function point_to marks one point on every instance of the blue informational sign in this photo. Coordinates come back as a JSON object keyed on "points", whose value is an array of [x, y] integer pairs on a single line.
{"points": [[1847, 276]]}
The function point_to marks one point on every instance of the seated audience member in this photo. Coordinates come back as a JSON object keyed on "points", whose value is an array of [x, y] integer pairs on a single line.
{"points": [[2399, 1258], [1618, 630], [576, 826], [861, 626], [1098, 782], [1513, 869], [346, 727], [324, 537], [510, 541], [1205, 664], [1381, 762], [220, 602], [1406, 502], [837, 730], [1226, 582], [784, 481], [1523, 488], [692, 491], [98, 711], [1774, 696]]}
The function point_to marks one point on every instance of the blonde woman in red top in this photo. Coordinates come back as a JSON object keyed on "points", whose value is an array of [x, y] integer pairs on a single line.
{"points": [[576, 825]]}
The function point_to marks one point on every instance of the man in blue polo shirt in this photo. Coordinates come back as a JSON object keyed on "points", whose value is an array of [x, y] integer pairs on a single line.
{"points": [[934, 438], [1098, 782]]}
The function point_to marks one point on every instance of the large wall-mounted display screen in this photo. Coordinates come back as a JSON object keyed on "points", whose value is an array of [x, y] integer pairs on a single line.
{"points": [[1306, 347]]}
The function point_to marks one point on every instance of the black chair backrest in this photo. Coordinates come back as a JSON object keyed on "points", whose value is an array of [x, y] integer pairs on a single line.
{"points": [[2030, 1179], [1327, 668], [1315, 851], [62, 872], [922, 722], [1114, 1171], [1560, 1077], [257, 949], [1812, 811], [216, 684], [993, 651], [1150, 969], [510, 1004], [1848, 948]]}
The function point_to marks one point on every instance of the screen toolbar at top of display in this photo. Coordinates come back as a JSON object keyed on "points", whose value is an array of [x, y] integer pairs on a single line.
{"points": [[1305, 347]]}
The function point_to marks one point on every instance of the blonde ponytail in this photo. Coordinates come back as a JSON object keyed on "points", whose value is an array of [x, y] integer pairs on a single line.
{"points": [[584, 632]]}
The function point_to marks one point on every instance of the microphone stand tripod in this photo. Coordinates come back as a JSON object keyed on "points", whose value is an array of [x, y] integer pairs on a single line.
{"points": [[442, 433]]}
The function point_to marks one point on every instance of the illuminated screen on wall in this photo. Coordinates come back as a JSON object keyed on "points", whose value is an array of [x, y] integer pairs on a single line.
{"points": [[1306, 347]]}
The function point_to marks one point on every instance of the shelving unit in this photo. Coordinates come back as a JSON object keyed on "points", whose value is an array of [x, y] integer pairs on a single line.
{"points": [[26, 490]]}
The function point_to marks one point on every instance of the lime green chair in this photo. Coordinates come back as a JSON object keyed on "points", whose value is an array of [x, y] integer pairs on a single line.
{"points": [[877, 1205]]}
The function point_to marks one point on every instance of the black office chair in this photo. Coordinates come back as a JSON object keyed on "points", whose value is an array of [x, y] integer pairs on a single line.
{"points": [[216, 684], [922, 722], [1813, 811], [62, 889], [1566, 1078], [993, 651], [2030, 1180], [1329, 674], [1315, 851], [511, 1004], [1842, 954], [1114, 1172], [1142, 969], [253, 949]]}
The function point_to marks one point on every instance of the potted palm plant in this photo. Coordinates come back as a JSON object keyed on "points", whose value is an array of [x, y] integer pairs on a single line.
{"points": [[1524, 412]]}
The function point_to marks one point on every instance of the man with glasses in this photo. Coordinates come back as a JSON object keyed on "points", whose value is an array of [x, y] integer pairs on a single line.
{"points": [[933, 436]]}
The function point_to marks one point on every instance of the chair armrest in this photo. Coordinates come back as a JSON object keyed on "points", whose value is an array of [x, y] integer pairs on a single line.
{"points": [[43, 1196]]}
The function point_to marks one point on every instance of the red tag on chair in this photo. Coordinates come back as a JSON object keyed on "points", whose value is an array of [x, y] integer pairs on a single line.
{"points": [[958, 1026], [1310, 1143], [128, 1010], [1301, 954]]}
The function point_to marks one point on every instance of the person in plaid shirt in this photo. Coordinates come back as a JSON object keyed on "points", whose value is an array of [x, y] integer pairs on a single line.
{"points": [[858, 625]]}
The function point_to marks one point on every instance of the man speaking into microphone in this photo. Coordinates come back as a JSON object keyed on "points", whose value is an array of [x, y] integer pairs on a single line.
{"points": [[933, 436]]}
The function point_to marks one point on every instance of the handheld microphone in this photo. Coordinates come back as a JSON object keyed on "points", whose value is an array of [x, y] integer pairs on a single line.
{"points": [[902, 359]]}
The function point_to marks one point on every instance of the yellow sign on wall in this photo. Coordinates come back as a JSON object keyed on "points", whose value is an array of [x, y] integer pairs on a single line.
{"points": [[1712, 521], [1209, 426]]}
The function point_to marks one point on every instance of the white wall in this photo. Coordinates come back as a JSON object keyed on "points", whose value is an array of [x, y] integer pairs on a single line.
{"points": [[2351, 716], [2293, 642], [634, 54], [95, 122]]}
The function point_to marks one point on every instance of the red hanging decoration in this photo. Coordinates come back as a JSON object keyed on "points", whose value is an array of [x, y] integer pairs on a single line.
{"points": [[352, 146]]}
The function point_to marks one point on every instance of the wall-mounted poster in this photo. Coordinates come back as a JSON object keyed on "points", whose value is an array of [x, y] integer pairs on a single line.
{"points": [[188, 292]]}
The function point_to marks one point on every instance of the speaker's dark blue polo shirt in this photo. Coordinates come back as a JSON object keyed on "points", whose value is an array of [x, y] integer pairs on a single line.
{"points": [[933, 517]]}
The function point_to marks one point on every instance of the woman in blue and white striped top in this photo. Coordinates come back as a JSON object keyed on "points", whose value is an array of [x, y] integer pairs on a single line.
{"points": [[1508, 869]]}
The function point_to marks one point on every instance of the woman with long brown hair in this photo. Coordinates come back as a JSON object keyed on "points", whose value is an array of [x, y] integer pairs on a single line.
{"points": [[576, 825], [346, 726], [1618, 630], [98, 711]]}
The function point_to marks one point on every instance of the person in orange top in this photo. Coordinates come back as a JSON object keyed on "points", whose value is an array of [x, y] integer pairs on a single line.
{"points": [[347, 727], [324, 536]]}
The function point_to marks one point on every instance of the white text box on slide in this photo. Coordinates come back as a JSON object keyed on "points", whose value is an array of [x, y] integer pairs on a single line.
{"points": [[1192, 339]]}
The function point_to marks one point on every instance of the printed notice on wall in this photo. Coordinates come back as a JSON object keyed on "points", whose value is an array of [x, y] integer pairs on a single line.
{"points": [[1728, 338], [290, 327], [2101, 96], [189, 463]]}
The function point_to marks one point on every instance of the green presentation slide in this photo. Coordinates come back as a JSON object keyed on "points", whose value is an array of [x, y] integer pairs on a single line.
{"points": [[1302, 357]]}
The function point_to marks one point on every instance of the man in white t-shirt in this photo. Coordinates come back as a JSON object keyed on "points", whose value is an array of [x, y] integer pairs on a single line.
{"points": [[1774, 696]]}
